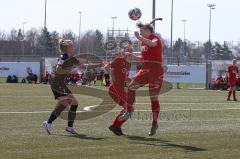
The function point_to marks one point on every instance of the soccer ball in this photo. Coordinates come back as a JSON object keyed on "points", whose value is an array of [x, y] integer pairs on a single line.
{"points": [[135, 14]]}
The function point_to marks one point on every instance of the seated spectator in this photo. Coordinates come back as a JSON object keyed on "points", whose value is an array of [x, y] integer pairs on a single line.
{"points": [[12, 79], [219, 82], [43, 78], [47, 77]]}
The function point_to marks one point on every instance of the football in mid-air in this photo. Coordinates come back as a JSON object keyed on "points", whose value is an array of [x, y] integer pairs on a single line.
{"points": [[135, 14]]}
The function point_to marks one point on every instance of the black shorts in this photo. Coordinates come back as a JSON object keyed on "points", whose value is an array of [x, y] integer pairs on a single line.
{"points": [[60, 91]]}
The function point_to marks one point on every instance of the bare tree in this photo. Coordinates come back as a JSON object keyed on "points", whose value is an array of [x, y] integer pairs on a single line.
{"points": [[13, 35], [3, 35]]}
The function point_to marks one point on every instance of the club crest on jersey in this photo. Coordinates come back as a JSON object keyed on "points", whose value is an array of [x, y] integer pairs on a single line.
{"points": [[124, 70], [144, 48]]}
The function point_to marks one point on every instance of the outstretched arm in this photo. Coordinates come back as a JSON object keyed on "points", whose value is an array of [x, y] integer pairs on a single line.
{"points": [[88, 65], [91, 66], [61, 70], [151, 43], [135, 57]]}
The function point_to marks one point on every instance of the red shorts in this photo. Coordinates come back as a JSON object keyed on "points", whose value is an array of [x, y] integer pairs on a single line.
{"points": [[152, 75]]}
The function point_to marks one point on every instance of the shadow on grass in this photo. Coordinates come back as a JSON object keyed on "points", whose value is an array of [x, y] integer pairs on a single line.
{"points": [[164, 143], [83, 136], [141, 138]]}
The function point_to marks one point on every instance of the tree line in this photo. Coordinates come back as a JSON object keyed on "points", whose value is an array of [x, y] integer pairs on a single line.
{"points": [[44, 43]]}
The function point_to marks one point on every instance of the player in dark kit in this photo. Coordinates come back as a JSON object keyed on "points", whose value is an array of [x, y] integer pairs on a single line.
{"points": [[232, 73], [118, 69], [59, 88], [151, 72], [65, 64]]}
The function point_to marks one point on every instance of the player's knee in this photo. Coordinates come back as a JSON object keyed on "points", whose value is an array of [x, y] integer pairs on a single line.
{"points": [[154, 97], [122, 102], [133, 86], [59, 108], [72, 100], [73, 108], [63, 101], [131, 93]]}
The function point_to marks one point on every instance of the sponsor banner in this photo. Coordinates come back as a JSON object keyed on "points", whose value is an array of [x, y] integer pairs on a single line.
{"points": [[19, 68], [50, 63], [182, 74], [186, 74]]}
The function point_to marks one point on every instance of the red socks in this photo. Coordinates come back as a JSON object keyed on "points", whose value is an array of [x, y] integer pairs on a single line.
{"points": [[229, 94], [155, 111], [234, 94], [117, 122]]}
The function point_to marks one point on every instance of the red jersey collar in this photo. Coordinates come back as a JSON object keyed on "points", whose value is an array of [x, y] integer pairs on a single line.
{"points": [[151, 36]]}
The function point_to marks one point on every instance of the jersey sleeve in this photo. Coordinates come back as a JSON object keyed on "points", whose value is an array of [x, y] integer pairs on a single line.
{"points": [[157, 39], [69, 63], [61, 60]]}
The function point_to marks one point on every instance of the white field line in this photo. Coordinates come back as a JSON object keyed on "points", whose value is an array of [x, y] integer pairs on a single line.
{"points": [[199, 120], [161, 121], [33, 112], [195, 98], [161, 96], [183, 103], [26, 96], [140, 110]]}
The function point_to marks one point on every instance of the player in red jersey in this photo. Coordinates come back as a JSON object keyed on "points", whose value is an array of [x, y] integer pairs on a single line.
{"points": [[151, 72], [118, 69], [232, 73]]}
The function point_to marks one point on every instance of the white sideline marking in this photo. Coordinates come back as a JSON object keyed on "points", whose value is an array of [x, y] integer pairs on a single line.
{"points": [[190, 103], [26, 96], [182, 121], [143, 110], [35, 112], [88, 108], [161, 96]]}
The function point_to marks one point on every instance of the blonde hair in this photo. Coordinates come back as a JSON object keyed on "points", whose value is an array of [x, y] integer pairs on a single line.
{"points": [[128, 47], [64, 44]]}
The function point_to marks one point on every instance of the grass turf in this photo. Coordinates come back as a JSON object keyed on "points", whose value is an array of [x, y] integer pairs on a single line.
{"points": [[193, 124]]}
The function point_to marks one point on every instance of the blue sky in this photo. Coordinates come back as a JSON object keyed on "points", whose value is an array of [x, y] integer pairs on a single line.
{"points": [[63, 15]]}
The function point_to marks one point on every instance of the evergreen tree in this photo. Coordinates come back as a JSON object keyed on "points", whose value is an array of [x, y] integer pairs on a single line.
{"points": [[45, 43], [99, 43], [221, 52], [55, 43], [20, 35]]}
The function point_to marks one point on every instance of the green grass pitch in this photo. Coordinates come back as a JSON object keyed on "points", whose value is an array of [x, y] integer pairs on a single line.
{"points": [[194, 124]]}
